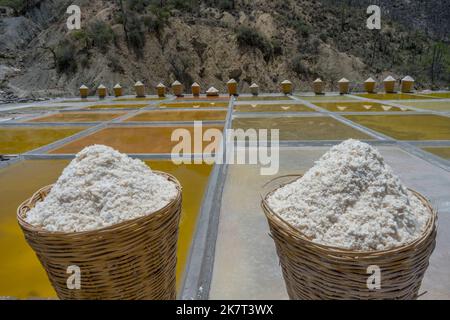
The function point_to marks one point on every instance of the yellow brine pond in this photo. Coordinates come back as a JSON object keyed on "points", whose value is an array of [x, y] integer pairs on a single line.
{"points": [[176, 115], [407, 127], [302, 128], [443, 152], [17, 140], [78, 117], [262, 98], [393, 96], [118, 106], [194, 105], [272, 108], [21, 274], [359, 106]]}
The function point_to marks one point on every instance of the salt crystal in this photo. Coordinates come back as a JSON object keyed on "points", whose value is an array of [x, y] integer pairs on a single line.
{"points": [[351, 199], [99, 188]]}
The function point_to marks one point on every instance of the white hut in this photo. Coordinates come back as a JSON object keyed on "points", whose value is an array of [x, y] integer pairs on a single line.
{"points": [[318, 86], [84, 92], [286, 87], [161, 90], [254, 89], [232, 87], [118, 91], [177, 88], [369, 85], [389, 84], [195, 89], [140, 89], [212, 92], [344, 86], [102, 91], [407, 84]]}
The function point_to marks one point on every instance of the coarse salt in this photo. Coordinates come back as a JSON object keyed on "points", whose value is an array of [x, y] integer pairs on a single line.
{"points": [[351, 199], [99, 188]]}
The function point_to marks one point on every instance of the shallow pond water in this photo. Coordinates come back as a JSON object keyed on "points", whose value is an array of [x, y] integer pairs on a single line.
{"points": [[302, 128], [407, 127], [78, 117], [174, 115], [16, 140], [132, 139], [21, 274]]}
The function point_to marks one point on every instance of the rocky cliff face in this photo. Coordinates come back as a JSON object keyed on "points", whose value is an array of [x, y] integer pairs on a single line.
{"points": [[212, 41]]}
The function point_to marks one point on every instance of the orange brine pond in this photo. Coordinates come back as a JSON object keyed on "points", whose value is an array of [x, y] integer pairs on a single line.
{"points": [[272, 108], [194, 105], [16, 140], [175, 115], [21, 274], [360, 106], [134, 139], [407, 127], [78, 117], [302, 128], [140, 99]]}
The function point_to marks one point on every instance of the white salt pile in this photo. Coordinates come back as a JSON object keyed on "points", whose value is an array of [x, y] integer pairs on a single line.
{"points": [[101, 187], [351, 199]]}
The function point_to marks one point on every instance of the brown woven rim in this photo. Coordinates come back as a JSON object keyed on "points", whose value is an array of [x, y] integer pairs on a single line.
{"points": [[135, 259], [316, 271]]}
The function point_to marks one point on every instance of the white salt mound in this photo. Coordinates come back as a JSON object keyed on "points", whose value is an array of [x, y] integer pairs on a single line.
{"points": [[101, 187], [351, 199]]}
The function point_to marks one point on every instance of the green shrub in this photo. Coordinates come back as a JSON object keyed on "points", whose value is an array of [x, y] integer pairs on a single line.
{"points": [[81, 38], [298, 66], [100, 34], [157, 19], [136, 33], [248, 37], [301, 28], [65, 54], [277, 47]]}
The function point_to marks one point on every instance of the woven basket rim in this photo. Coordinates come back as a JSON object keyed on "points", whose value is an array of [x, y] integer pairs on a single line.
{"points": [[430, 226], [29, 203]]}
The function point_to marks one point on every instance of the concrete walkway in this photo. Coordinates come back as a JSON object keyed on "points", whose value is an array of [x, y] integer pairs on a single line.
{"points": [[246, 264]]}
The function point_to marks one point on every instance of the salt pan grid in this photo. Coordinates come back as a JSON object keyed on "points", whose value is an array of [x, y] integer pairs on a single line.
{"points": [[421, 164]]}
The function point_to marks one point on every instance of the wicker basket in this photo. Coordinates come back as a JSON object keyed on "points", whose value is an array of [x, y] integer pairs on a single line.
{"points": [[135, 259], [315, 271]]}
